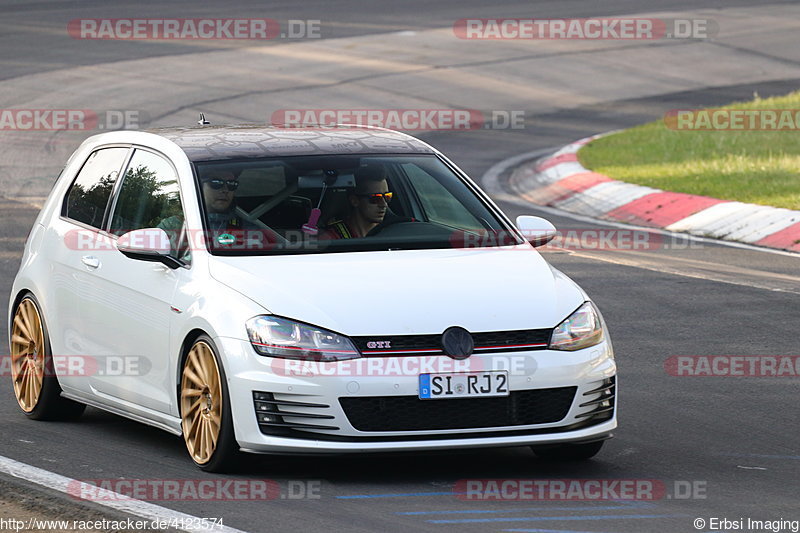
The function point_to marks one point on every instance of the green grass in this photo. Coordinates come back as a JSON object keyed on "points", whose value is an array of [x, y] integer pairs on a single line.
{"points": [[759, 167]]}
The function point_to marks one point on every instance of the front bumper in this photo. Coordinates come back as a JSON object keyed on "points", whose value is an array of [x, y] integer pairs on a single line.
{"points": [[311, 391]]}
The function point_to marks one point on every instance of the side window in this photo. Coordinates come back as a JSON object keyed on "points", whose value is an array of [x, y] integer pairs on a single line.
{"points": [[88, 195], [438, 203], [149, 198]]}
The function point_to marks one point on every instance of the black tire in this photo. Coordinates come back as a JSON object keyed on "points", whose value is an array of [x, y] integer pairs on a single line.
{"points": [[48, 403], [568, 452], [225, 453]]}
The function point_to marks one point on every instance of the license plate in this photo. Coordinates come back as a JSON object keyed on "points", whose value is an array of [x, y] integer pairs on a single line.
{"points": [[471, 385]]}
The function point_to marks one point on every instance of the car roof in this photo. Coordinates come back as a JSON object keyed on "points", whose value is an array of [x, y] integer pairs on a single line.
{"points": [[206, 143]]}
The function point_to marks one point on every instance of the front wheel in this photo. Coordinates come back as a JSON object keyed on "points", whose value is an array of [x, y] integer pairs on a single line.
{"points": [[205, 409], [568, 452], [35, 383]]}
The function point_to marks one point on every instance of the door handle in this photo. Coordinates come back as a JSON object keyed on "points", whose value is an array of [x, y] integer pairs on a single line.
{"points": [[90, 261]]}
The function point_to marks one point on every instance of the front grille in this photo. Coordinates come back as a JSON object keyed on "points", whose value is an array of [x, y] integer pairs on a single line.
{"points": [[397, 343], [512, 338], [409, 413], [486, 342]]}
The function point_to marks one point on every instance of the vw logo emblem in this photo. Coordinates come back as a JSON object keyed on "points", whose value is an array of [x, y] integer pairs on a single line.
{"points": [[457, 342]]}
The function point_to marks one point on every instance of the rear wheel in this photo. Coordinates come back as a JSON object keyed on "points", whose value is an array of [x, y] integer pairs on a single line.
{"points": [[35, 383], [569, 452], [205, 409]]}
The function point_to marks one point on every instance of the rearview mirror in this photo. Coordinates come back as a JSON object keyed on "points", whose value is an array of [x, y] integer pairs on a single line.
{"points": [[148, 244], [536, 230]]}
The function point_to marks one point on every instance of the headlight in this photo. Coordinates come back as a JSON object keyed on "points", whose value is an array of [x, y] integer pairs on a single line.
{"points": [[280, 337], [581, 329]]}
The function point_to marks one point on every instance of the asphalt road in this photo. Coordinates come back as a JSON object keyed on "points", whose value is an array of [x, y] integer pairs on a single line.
{"points": [[734, 438], [33, 36]]}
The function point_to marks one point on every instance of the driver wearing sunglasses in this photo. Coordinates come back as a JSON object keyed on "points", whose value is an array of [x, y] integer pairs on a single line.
{"points": [[369, 203], [218, 193]]}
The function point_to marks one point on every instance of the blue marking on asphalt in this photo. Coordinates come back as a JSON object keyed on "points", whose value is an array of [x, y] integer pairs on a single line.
{"points": [[399, 495], [449, 493], [762, 456], [549, 518], [550, 531], [634, 503], [616, 505]]}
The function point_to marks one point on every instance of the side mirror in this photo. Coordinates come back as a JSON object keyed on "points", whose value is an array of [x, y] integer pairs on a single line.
{"points": [[148, 244], [536, 230]]}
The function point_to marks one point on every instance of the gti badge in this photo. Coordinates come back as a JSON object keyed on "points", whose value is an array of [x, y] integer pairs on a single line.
{"points": [[379, 345]]}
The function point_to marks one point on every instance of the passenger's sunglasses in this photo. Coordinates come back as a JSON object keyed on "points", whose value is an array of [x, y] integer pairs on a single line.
{"points": [[217, 184], [375, 197]]}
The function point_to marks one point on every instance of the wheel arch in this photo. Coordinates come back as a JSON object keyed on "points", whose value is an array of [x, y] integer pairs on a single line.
{"points": [[15, 301], [186, 345]]}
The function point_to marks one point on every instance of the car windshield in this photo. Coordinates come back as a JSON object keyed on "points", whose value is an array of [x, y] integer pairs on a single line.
{"points": [[321, 204]]}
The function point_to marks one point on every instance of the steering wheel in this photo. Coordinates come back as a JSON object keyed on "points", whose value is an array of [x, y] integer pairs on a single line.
{"points": [[387, 222]]}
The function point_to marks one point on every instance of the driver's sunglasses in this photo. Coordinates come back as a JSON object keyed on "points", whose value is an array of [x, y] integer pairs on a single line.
{"points": [[375, 197], [217, 184]]}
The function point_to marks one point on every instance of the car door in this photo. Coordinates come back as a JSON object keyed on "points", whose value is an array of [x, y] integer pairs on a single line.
{"points": [[132, 300], [70, 244]]}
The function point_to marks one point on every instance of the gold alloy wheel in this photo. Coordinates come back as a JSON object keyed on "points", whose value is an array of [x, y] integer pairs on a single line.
{"points": [[201, 402], [27, 355]]}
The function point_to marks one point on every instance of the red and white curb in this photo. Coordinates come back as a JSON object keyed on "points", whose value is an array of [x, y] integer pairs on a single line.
{"points": [[560, 181]]}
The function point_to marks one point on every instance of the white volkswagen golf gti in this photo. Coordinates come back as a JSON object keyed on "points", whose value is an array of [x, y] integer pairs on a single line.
{"points": [[300, 290]]}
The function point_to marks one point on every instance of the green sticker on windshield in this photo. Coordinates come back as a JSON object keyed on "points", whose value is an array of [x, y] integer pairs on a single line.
{"points": [[226, 238]]}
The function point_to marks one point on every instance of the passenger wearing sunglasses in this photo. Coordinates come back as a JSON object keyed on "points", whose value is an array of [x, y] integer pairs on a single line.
{"points": [[226, 228], [369, 203], [218, 192]]}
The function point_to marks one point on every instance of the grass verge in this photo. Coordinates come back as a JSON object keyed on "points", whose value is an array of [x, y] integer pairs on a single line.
{"points": [[759, 167]]}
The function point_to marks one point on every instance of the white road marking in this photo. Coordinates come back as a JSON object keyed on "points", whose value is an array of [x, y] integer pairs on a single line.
{"points": [[144, 510], [692, 268]]}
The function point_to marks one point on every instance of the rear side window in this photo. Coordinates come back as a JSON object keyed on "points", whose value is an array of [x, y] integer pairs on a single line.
{"points": [[88, 196]]}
